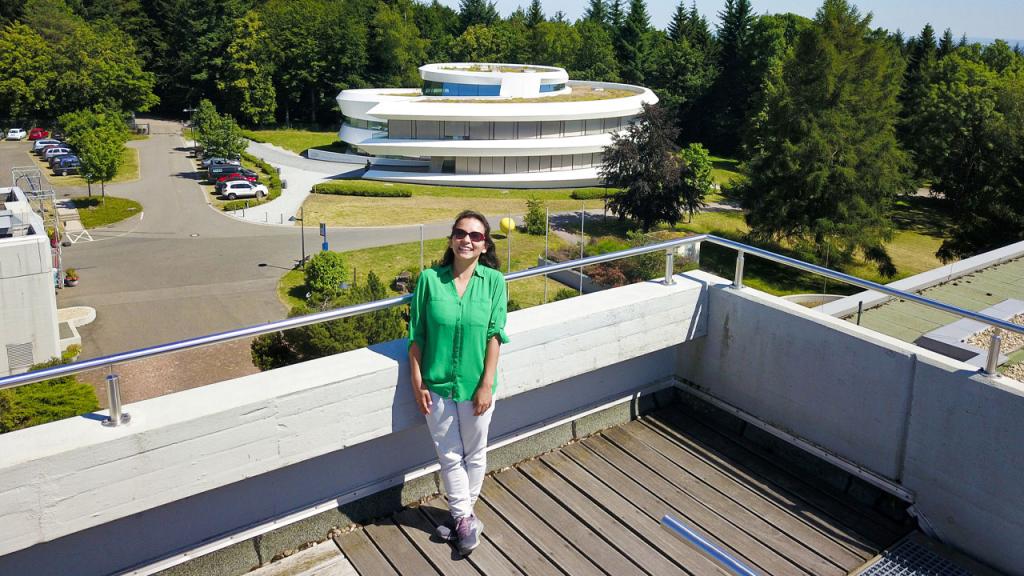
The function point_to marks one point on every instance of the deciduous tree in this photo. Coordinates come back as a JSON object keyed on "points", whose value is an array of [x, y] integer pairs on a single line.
{"points": [[248, 80], [28, 72], [643, 163]]}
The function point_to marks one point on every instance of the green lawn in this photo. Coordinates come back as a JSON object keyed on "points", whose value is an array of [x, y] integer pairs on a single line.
{"points": [[388, 261], [724, 170], [297, 141], [96, 211]]}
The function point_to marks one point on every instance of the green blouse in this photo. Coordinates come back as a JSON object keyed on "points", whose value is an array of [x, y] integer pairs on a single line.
{"points": [[452, 332]]}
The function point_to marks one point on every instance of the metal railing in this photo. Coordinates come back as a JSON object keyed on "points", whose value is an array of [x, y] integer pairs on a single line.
{"points": [[669, 247], [706, 547]]}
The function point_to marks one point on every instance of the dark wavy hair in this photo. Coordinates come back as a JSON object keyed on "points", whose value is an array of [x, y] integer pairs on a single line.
{"points": [[488, 258]]}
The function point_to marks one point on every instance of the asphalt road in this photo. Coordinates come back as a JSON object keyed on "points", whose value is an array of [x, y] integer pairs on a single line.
{"points": [[182, 269]]}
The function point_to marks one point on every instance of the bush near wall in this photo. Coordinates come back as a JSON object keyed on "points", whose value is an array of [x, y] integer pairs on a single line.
{"points": [[593, 193], [358, 188], [269, 176]]}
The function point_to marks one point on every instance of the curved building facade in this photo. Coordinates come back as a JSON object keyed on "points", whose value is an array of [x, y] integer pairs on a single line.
{"points": [[489, 125]]}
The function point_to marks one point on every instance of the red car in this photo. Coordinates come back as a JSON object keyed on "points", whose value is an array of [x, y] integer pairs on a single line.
{"points": [[241, 174], [37, 134]]}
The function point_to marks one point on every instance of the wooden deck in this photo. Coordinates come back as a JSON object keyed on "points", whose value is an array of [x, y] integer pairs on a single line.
{"points": [[594, 507]]}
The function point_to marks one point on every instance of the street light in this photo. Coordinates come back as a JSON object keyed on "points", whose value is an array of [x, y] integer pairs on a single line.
{"points": [[191, 125]]}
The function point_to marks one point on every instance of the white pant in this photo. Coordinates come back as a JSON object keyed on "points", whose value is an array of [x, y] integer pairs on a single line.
{"points": [[460, 439]]}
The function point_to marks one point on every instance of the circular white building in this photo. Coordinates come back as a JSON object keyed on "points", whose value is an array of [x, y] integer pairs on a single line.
{"points": [[490, 125]]}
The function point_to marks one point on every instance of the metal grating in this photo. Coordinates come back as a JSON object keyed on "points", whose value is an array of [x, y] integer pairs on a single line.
{"points": [[910, 558], [19, 357]]}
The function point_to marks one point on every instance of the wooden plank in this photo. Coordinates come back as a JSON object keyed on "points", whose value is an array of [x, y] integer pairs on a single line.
{"points": [[612, 527], [553, 546], [692, 511], [512, 544], [441, 556], [628, 500], [809, 532], [628, 438], [399, 550], [580, 535], [487, 558], [893, 530], [758, 472], [363, 555]]}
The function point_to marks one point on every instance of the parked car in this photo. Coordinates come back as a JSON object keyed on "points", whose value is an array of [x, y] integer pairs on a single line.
{"points": [[243, 188], [40, 144], [67, 165], [37, 134], [220, 186], [16, 134], [53, 159], [56, 150], [237, 174], [218, 170], [218, 161]]}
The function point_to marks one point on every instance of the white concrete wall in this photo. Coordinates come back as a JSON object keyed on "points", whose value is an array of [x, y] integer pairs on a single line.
{"points": [[28, 305], [298, 427], [929, 423]]}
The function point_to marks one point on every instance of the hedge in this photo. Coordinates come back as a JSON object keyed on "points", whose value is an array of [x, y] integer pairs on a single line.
{"points": [[592, 193], [355, 188], [273, 179]]}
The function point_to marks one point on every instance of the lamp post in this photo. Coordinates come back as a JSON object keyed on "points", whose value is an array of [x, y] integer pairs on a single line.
{"points": [[191, 125]]}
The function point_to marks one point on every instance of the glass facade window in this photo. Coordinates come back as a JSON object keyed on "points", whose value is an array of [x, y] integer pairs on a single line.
{"points": [[433, 88], [364, 124], [551, 87]]}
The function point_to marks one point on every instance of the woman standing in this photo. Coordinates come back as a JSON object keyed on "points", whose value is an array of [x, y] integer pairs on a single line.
{"points": [[456, 326]]}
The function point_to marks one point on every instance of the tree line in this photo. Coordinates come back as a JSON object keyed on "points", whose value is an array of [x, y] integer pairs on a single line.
{"points": [[832, 116]]}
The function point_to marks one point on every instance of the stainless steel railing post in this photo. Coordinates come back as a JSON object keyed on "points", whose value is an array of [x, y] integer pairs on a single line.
{"points": [[670, 266], [993, 353], [737, 281], [116, 417]]}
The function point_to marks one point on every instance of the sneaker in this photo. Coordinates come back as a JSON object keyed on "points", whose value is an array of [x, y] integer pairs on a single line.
{"points": [[468, 530], [446, 532]]}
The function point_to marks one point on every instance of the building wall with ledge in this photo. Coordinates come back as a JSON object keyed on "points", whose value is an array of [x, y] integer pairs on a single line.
{"points": [[78, 497], [932, 425]]}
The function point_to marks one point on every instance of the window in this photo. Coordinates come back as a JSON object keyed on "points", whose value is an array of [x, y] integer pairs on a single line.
{"points": [[574, 128], [400, 128], [581, 161], [473, 165], [551, 87], [461, 166], [433, 88], [504, 130], [595, 126], [534, 163], [479, 130], [545, 164], [611, 124], [551, 129], [527, 130], [428, 130], [456, 130]]}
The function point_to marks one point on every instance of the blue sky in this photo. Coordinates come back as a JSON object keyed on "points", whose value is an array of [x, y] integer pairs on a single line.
{"points": [[976, 18]]}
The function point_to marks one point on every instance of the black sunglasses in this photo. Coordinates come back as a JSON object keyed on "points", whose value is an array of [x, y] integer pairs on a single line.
{"points": [[459, 234]]}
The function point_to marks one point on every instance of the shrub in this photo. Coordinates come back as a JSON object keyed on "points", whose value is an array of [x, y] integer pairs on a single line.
{"points": [[536, 218], [273, 179], [324, 274], [565, 293], [609, 274], [353, 188], [592, 193], [46, 401]]}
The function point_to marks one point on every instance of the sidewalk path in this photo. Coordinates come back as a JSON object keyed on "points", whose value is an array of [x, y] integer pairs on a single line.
{"points": [[299, 174]]}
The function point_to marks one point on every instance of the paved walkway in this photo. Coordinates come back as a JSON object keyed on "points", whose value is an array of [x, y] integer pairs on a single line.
{"points": [[299, 174]]}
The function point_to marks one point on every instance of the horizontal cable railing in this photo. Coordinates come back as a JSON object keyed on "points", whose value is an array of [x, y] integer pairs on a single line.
{"points": [[670, 248]]}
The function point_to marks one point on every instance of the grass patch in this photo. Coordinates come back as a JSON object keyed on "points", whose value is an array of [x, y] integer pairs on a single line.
{"points": [[724, 170], [364, 211], [97, 211], [297, 141], [127, 172], [388, 261]]}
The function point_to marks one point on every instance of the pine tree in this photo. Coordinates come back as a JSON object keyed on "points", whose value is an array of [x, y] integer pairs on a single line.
{"points": [[633, 42], [474, 12], [534, 15], [730, 99], [679, 25], [828, 165], [597, 11], [946, 44], [615, 15]]}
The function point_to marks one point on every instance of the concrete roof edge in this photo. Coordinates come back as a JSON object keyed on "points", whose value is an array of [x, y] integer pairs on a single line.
{"points": [[927, 279]]}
